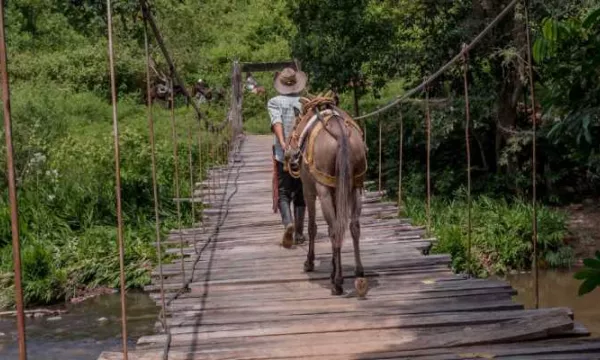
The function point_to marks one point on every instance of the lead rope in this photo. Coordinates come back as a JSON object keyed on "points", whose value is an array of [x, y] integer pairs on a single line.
{"points": [[113, 90], [468, 146], [12, 192], [176, 181], [163, 313], [533, 159]]}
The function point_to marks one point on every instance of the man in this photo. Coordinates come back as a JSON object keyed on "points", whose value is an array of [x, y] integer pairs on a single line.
{"points": [[289, 84]]}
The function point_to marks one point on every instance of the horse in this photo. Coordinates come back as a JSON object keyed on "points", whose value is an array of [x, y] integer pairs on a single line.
{"points": [[326, 150], [162, 92]]}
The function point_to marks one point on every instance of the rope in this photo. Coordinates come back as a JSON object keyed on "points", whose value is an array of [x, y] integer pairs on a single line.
{"points": [[533, 159], [176, 180], [441, 70], [163, 318], [113, 90], [468, 145], [12, 192], [428, 150]]}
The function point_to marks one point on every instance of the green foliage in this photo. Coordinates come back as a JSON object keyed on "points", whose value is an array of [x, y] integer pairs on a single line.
{"points": [[336, 52], [501, 233], [590, 275], [65, 167]]}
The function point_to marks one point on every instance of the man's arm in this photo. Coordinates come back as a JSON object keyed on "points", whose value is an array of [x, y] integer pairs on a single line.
{"points": [[276, 122]]}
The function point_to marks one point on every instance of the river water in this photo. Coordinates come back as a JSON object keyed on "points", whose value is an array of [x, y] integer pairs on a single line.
{"points": [[80, 334], [559, 289]]}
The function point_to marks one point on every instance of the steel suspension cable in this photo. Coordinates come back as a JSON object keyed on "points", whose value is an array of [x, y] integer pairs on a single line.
{"points": [[176, 181], [445, 67], [113, 89], [428, 161], [468, 147], [533, 158], [163, 315], [12, 191]]}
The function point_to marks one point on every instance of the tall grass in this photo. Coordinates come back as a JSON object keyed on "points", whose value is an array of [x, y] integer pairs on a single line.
{"points": [[501, 233], [66, 190]]}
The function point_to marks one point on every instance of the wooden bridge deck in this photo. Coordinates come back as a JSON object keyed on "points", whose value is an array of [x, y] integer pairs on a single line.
{"points": [[248, 298]]}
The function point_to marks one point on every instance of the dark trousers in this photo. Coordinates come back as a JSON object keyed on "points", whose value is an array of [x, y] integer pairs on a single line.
{"points": [[290, 191]]}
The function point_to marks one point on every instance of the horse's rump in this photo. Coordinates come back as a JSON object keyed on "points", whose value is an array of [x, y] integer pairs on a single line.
{"points": [[321, 148]]}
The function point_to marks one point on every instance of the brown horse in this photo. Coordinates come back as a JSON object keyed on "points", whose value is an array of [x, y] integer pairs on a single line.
{"points": [[326, 150]]}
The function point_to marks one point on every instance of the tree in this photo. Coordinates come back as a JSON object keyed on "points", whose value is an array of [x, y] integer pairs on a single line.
{"points": [[338, 40]]}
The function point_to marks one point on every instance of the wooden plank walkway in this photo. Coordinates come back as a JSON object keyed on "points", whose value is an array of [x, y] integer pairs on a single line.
{"points": [[248, 297]]}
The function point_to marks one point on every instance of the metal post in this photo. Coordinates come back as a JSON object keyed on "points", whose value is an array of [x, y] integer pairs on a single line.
{"points": [[400, 155], [113, 88], [468, 145], [379, 168], [428, 131], [533, 159], [12, 191]]}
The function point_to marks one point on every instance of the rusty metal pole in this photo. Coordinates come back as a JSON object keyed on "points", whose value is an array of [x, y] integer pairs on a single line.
{"points": [[468, 146], [163, 315], [428, 130], [533, 159], [113, 87], [400, 156], [12, 190], [380, 151]]}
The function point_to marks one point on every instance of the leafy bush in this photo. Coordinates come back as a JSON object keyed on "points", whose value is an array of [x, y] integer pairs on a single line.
{"points": [[501, 233], [66, 189]]}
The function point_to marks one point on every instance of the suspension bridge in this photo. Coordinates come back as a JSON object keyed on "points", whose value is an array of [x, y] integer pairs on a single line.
{"points": [[234, 293]]}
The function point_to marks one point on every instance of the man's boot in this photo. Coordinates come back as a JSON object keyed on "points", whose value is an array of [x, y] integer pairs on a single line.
{"points": [[299, 212], [286, 218]]}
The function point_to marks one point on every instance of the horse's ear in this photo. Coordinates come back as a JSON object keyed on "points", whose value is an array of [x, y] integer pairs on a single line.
{"points": [[297, 111]]}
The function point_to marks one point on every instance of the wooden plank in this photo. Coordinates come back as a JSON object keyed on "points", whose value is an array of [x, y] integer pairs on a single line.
{"points": [[267, 66]]}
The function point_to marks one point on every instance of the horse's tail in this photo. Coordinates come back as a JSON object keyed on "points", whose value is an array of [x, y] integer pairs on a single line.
{"points": [[344, 184]]}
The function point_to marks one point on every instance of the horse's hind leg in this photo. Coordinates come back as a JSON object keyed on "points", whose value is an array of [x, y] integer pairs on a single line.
{"points": [[355, 231], [328, 208], [310, 198]]}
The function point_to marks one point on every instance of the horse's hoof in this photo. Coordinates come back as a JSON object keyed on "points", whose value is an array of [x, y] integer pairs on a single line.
{"points": [[362, 286], [337, 290], [309, 266], [299, 239]]}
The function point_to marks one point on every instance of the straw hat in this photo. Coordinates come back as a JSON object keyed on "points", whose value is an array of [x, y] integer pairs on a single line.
{"points": [[290, 81]]}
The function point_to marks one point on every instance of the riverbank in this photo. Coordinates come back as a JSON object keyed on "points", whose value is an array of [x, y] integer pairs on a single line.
{"points": [[84, 331]]}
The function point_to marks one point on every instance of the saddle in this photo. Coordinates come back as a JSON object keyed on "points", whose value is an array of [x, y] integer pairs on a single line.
{"points": [[307, 130]]}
